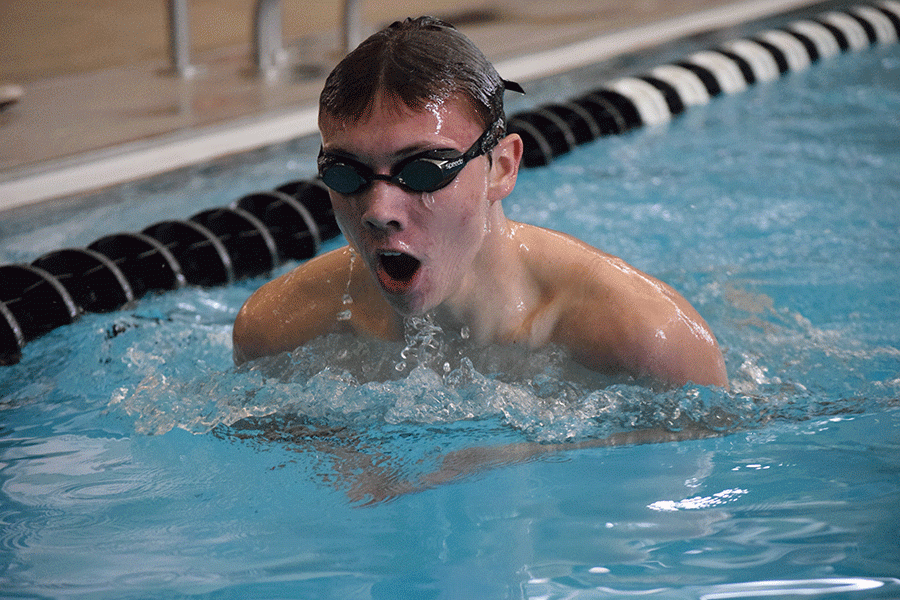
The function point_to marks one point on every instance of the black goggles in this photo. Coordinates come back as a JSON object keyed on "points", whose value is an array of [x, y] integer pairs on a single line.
{"points": [[427, 171]]}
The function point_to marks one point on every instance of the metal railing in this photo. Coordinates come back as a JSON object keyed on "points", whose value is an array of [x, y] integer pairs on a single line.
{"points": [[269, 55], [180, 39]]}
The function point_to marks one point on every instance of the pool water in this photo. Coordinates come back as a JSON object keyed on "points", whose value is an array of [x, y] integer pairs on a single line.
{"points": [[137, 462]]}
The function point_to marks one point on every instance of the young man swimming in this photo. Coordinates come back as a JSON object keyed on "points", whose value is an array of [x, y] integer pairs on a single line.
{"points": [[415, 154]]}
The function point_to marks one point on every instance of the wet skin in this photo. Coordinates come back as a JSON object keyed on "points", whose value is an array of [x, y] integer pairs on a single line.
{"points": [[453, 253]]}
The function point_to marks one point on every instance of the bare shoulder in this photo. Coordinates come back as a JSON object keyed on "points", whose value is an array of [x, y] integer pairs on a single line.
{"points": [[292, 309], [614, 316]]}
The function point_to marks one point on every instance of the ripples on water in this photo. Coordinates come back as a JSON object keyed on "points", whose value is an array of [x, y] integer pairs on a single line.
{"points": [[112, 428]]}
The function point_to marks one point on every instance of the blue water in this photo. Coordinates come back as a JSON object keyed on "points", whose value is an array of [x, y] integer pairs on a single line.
{"points": [[137, 462]]}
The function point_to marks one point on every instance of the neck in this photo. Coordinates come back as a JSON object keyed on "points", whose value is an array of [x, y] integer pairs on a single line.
{"points": [[496, 295]]}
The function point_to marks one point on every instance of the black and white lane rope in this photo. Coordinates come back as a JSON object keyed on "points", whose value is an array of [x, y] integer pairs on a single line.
{"points": [[668, 90]]}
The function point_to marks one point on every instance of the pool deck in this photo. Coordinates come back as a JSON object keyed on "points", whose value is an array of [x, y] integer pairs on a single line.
{"points": [[101, 105]]}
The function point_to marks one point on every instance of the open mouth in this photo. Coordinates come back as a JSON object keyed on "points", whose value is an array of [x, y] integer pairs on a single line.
{"points": [[399, 266]]}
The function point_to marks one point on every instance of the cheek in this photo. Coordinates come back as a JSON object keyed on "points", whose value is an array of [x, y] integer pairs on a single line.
{"points": [[465, 206], [462, 226], [341, 206], [347, 218]]}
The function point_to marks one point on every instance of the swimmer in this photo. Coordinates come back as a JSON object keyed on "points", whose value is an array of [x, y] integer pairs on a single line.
{"points": [[417, 159]]}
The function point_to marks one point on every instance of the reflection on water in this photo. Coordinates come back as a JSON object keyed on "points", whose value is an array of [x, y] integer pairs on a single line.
{"points": [[137, 461], [819, 588]]}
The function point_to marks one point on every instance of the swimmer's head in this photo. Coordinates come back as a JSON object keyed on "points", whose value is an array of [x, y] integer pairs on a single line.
{"points": [[420, 62]]}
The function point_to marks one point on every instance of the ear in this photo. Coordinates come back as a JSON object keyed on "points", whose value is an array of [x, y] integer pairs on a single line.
{"points": [[505, 166]]}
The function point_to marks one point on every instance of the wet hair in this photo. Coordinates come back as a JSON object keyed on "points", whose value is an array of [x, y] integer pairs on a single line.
{"points": [[417, 61]]}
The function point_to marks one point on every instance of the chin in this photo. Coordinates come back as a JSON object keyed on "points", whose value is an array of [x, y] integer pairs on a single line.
{"points": [[408, 308], [411, 305]]}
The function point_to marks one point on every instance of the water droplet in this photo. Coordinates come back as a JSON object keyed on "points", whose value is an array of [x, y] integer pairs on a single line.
{"points": [[464, 333], [346, 299], [428, 200]]}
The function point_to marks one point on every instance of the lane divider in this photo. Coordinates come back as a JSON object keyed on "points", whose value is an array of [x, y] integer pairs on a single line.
{"points": [[656, 97], [260, 231], [218, 246]]}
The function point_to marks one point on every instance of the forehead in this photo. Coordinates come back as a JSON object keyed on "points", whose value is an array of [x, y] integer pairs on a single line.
{"points": [[388, 125]]}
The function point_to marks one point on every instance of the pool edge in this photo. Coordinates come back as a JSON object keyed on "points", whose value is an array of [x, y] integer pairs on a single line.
{"points": [[115, 165]]}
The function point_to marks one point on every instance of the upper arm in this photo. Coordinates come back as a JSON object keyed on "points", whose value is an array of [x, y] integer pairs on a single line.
{"points": [[681, 348]]}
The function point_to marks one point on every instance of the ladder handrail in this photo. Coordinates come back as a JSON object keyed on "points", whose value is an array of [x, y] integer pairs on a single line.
{"points": [[180, 39], [268, 53]]}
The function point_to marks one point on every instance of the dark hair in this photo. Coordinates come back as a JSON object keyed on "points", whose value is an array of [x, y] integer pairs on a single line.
{"points": [[416, 61]]}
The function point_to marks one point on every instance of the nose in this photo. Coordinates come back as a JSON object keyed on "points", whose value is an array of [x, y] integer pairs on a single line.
{"points": [[386, 208]]}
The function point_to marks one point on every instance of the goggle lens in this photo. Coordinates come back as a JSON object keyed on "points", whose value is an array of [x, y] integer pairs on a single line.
{"points": [[424, 176], [343, 178]]}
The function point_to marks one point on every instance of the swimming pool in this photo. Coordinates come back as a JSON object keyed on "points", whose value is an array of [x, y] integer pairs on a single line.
{"points": [[137, 462]]}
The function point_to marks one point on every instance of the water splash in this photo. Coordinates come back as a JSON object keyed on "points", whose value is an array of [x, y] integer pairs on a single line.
{"points": [[441, 377], [445, 379], [346, 299], [424, 339]]}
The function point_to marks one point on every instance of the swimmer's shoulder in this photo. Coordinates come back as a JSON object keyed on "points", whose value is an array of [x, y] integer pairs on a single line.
{"points": [[569, 265], [580, 289], [588, 291], [292, 309], [331, 293], [617, 317]]}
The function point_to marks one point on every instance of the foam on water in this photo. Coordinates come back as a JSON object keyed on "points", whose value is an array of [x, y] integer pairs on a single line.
{"points": [[786, 368]]}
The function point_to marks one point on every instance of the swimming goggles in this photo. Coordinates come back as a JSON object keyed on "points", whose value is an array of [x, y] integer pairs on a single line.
{"points": [[427, 171]]}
